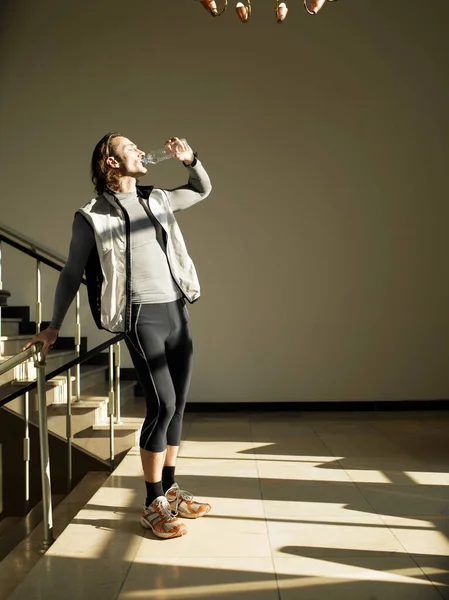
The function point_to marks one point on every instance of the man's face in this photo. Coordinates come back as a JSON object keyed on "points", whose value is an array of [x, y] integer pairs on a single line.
{"points": [[127, 157]]}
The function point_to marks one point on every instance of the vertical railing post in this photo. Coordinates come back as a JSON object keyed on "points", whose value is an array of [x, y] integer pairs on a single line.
{"points": [[111, 408], [118, 417], [26, 448], [69, 430], [77, 347], [44, 451], [38, 316]]}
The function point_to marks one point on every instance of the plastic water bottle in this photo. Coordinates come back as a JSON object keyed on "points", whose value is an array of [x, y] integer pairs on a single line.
{"points": [[157, 156]]}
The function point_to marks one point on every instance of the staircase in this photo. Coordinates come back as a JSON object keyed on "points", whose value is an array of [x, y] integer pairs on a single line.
{"points": [[87, 457], [90, 422]]}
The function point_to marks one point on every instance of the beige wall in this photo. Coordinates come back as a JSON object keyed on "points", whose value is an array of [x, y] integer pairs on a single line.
{"points": [[323, 248]]}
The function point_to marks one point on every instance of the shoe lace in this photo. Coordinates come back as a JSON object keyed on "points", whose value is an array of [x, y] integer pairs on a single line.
{"points": [[164, 509], [185, 495]]}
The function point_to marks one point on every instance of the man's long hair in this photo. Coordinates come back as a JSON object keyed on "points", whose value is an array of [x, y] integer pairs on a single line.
{"points": [[103, 176]]}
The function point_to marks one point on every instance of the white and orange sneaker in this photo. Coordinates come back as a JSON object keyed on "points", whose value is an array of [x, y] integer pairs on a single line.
{"points": [[160, 518], [183, 504]]}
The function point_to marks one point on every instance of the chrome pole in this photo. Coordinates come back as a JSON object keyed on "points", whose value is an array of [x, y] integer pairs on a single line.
{"points": [[111, 408], [44, 451], [69, 430], [38, 316], [77, 347], [117, 383], [26, 448]]}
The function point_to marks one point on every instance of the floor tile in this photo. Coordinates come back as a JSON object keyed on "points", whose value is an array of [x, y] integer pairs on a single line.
{"points": [[278, 427], [57, 577], [219, 428], [432, 540], [216, 467], [131, 465], [293, 498], [407, 499], [367, 449], [402, 477], [306, 472], [429, 477], [349, 577], [436, 569], [300, 448], [234, 487], [331, 538], [221, 579], [231, 450]]}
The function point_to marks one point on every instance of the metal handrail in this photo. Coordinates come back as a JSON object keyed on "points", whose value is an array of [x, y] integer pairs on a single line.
{"points": [[39, 363], [13, 236], [36, 252], [76, 361], [19, 358], [42, 377], [43, 256]]}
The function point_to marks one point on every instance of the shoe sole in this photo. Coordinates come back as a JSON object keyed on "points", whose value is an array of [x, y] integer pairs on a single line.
{"points": [[165, 536]]}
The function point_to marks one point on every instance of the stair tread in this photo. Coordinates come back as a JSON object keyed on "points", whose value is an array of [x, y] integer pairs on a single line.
{"points": [[102, 389], [6, 389], [94, 368], [11, 320], [96, 395], [85, 402], [132, 424], [59, 353]]}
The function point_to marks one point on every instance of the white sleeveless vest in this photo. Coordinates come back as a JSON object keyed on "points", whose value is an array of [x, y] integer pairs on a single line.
{"points": [[108, 223]]}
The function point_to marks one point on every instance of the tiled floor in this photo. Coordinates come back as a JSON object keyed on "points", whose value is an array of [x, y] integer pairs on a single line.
{"points": [[351, 506]]}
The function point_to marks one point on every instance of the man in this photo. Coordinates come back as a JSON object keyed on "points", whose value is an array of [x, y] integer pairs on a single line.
{"points": [[139, 276]]}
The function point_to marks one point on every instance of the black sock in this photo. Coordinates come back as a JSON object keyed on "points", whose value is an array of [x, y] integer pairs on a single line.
{"points": [[168, 477], [153, 491]]}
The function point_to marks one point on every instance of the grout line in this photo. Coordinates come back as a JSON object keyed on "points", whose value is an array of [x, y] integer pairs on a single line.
{"points": [[425, 575], [264, 513]]}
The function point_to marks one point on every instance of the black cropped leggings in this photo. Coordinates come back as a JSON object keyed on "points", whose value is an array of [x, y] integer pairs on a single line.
{"points": [[161, 349]]}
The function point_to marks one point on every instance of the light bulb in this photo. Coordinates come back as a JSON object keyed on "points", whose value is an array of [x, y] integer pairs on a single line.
{"points": [[210, 6], [243, 12], [281, 12], [317, 5]]}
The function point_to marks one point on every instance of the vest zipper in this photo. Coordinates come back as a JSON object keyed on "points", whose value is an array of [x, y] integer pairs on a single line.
{"points": [[128, 308]]}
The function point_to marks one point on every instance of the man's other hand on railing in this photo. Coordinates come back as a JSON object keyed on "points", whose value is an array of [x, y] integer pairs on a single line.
{"points": [[47, 337]]}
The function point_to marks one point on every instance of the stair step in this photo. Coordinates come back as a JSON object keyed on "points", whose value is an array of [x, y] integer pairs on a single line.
{"points": [[92, 376], [92, 396], [16, 312], [10, 327], [101, 391], [12, 344], [87, 404], [126, 424], [27, 370], [24, 374]]}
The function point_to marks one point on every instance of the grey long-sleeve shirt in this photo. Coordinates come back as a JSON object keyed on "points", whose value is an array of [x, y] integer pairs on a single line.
{"points": [[151, 279]]}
